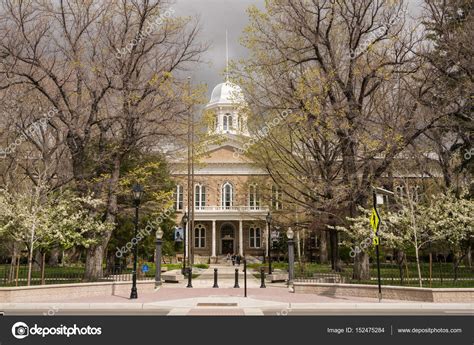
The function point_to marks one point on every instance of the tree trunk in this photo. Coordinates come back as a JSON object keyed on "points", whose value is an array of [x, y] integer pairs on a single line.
{"points": [[54, 257], [469, 255], [334, 250], [400, 259], [95, 254], [43, 264], [15, 260], [110, 266], [94, 259], [361, 267], [37, 260], [323, 247], [30, 265]]}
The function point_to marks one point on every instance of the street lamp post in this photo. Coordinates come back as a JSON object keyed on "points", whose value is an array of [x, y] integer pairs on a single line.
{"points": [[159, 242], [185, 221], [137, 193], [291, 256], [377, 194], [269, 222]]}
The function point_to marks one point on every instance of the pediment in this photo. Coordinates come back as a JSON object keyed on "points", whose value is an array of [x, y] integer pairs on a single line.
{"points": [[224, 154]]}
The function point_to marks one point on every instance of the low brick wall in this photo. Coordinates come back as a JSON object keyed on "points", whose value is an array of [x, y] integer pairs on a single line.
{"points": [[56, 292], [388, 292]]}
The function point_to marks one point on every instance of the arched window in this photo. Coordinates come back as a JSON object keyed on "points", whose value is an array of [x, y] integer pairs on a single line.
{"points": [[227, 122], [200, 236], [199, 196], [399, 191], [276, 198], [227, 195], [178, 198], [255, 237], [415, 193], [254, 197]]}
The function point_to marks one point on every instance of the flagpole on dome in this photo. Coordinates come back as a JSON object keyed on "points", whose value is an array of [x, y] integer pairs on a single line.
{"points": [[226, 56]]}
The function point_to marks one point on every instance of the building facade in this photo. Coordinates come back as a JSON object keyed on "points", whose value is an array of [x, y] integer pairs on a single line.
{"points": [[229, 216]]}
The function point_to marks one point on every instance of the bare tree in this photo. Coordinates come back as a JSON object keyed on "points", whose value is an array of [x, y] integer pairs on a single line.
{"points": [[347, 70], [112, 69]]}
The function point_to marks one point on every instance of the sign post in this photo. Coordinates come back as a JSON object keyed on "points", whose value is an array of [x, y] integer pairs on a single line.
{"points": [[375, 222]]}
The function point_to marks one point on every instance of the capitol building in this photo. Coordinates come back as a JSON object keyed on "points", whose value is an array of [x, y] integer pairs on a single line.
{"points": [[229, 211]]}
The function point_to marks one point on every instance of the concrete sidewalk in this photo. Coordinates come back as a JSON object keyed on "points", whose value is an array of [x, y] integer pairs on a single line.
{"points": [[228, 301]]}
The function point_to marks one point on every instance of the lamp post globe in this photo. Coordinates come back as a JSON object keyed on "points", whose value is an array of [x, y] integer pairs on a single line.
{"points": [[137, 194]]}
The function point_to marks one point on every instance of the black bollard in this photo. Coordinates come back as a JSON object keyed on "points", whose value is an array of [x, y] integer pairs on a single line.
{"points": [[215, 278], [236, 285], [190, 277], [262, 278]]}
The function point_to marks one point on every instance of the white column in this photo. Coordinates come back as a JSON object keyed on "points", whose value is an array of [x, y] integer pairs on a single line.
{"points": [[267, 229], [241, 238], [213, 238]]}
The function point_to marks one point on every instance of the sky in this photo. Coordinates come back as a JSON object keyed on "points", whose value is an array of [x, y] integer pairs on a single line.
{"points": [[215, 17]]}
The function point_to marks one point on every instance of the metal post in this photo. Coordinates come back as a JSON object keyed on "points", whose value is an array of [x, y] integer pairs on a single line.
{"points": [[377, 247], [262, 278], [158, 262], [291, 261], [215, 278], [183, 270], [134, 293], [236, 285], [190, 277], [245, 278], [269, 250]]}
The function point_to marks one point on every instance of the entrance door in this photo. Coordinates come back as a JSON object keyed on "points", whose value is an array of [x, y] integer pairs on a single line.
{"points": [[227, 247], [227, 237]]}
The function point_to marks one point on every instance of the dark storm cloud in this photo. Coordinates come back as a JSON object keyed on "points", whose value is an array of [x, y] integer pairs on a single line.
{"points": [[218, 15], [215, 17]]}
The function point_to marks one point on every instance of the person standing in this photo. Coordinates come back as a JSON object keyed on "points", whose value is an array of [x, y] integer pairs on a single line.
{"points": [[233, 259], [238, 258]]}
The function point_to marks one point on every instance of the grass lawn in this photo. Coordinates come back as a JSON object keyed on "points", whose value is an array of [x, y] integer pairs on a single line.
{"points": [[442, 273]]}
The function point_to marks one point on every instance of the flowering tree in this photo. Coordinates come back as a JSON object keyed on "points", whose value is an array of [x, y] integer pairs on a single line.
{"points": [[42, 222], [449, 220]]}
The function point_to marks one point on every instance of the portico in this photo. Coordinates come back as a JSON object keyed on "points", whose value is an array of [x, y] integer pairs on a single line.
{"points": [[219, 231]]}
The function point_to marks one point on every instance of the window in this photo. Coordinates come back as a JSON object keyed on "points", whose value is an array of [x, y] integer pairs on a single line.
{"points": [[276, 198], [200, 236], [399, 191], [255, 237], [199, 196], [415, 193], [227, 122], [178, 198], [227, 195], [254, 197]]}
